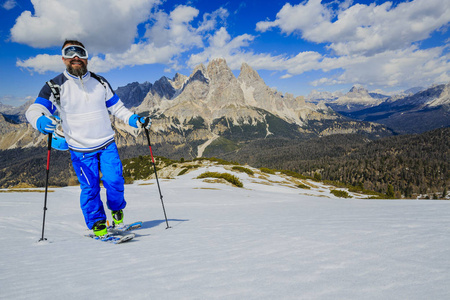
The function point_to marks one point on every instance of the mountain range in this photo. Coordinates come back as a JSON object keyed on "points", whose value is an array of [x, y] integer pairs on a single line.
{"points": [[415, 111], [211, 110]]}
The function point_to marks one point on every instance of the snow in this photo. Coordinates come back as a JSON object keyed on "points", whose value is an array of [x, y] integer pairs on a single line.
{"points": [[267, 240]]}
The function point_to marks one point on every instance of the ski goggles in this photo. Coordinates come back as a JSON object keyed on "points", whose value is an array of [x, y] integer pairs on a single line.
{"points": [[74, 50]]}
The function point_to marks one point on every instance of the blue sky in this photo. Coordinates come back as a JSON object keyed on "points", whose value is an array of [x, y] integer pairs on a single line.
{"points": [[295, 46]]}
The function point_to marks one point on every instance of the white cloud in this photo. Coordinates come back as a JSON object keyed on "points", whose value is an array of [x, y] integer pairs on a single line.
{"points": [[237, 51], [212, 20], [410, 67], [363, 29], [42, 63], [137, 54], [54, 21], [222, 45], [9, 4], [169, 36], [174, 28], [298, 17]]}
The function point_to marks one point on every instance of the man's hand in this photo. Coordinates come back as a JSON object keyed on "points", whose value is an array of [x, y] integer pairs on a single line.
{"points": [[146, 122], [46, 124], [140, 122]]}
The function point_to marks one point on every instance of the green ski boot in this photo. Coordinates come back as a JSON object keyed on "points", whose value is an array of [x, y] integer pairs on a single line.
{"points": [[99, 228], [117, 216]]}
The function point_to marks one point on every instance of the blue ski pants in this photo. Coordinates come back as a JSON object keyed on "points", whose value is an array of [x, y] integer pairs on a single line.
{"points": [[87, 166]]}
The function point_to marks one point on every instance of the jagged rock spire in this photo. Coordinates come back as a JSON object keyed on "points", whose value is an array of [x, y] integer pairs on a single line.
{"points": [[248, 74]]}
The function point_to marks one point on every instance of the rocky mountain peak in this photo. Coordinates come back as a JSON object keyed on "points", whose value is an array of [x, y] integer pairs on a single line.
{"points": [[249, 75], [198, 75], [200, 68], [133, 93], [357, 97], [178, 81], [218, 70], [163, 88], [358, 91]]}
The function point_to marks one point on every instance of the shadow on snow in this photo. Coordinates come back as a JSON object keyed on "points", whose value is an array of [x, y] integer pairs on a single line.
{"points": [[155, 223]]}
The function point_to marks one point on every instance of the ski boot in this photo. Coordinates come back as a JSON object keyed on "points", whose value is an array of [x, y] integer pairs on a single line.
{"points": [[99, 228], [117, 216]]}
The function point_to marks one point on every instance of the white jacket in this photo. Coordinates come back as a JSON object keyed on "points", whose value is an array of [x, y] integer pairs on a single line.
{"points": [[83, 109]]}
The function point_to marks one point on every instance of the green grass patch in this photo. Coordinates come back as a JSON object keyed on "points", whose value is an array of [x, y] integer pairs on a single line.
{"points": [[303, 186], [356, 189], [340, 194], [267, 170], [182, 172], [243, 170], [228, 177]]}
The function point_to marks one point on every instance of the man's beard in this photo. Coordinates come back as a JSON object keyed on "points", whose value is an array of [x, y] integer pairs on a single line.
{"points": [[78, 72]]}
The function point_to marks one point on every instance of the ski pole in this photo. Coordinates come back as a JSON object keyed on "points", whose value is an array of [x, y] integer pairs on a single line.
{"points": [[46, 183], [156, 175]]}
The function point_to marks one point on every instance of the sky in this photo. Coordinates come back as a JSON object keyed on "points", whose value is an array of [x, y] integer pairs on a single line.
{"points": [[295, 46]]}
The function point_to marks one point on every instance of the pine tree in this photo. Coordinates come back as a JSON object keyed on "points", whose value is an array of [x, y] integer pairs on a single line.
{"points": [[390, 191]]}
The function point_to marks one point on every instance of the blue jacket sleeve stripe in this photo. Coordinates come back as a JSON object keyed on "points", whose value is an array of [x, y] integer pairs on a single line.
{"points": [[46, 103], [114, 99]]}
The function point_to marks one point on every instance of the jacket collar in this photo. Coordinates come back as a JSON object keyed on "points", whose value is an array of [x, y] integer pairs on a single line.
{"points": [[70, 76]]}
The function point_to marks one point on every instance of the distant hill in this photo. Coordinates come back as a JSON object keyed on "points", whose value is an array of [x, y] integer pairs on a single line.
{"points": [[414, 113]]}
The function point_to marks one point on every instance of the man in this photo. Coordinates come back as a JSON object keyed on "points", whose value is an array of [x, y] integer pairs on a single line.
{"points": [[84, 101]]}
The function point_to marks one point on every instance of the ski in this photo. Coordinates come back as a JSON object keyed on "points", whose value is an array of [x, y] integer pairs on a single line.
{"points": [[113, 238], [125, 227]]}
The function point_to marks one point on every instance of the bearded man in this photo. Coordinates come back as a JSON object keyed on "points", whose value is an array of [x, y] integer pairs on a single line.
{"points": [[83, 101]]}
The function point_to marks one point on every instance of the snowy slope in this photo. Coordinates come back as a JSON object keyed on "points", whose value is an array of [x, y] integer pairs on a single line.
{"points": [[267, 240]]}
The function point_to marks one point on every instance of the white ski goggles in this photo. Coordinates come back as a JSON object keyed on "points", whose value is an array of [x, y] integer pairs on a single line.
{"points": [[74, 50]]}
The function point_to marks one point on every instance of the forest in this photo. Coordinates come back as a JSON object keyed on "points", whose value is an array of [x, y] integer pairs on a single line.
{"points": [[402, 166], [412, 165]]}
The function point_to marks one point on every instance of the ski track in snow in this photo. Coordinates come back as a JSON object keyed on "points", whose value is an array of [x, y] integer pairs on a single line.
{"points": [[257, 242]]}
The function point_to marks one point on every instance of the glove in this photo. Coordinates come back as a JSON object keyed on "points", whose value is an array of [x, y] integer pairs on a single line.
{"points": [[145, 122], [46, 124], [140, 122], [133, 121]]}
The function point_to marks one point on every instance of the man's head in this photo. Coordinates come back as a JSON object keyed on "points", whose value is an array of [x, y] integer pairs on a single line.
{"points": [[75, 56]]}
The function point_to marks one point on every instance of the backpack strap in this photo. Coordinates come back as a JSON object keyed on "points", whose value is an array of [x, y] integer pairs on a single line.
{"points": [[55, 88], [99, 78]]}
